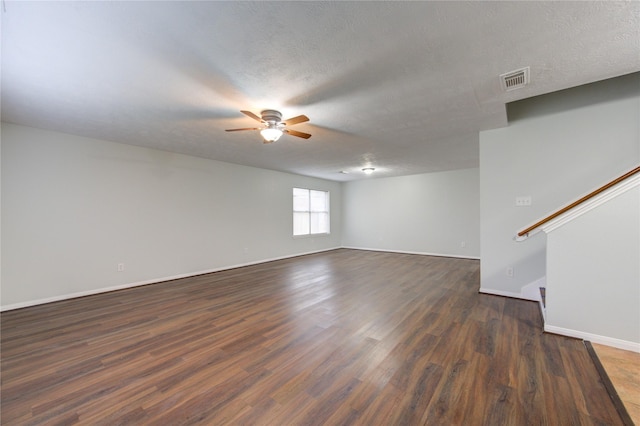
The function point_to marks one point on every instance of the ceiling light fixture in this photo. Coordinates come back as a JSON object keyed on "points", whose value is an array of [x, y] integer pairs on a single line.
{"points": [[368, 170], [271, 133], [272, 125]]}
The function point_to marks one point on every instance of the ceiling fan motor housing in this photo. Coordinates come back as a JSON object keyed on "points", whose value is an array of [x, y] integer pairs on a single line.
{"points": [[271, 115]]}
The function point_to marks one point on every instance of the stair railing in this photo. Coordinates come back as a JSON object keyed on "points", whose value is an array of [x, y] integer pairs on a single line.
{"points": [[536, 227]]}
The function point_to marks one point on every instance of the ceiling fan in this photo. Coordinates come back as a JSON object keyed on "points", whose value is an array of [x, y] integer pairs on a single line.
{"points": [[273, 125]]}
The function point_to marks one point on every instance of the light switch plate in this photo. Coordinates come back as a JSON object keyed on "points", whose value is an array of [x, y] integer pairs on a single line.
{"points": [[523, 201]]}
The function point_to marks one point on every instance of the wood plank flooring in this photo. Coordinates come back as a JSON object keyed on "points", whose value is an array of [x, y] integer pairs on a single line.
{"points": [[623, 369], [345, 337]]}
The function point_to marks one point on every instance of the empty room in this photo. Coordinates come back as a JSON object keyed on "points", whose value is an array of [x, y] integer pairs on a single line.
{"points": [[320, 213]]}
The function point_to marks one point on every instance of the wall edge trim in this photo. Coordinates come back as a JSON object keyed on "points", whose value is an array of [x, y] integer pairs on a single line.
{"points": [[594, 338], [413, 252], [60, 298], [506, 294]]}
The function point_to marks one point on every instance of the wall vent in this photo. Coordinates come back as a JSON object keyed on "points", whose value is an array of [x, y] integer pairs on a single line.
{"points": [[515, 79]]}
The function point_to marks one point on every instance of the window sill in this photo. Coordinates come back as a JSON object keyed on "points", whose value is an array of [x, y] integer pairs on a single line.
{"points": [[325, 234]]}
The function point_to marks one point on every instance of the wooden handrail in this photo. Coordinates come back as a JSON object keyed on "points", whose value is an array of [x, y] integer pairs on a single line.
{"points": [[580, 201]]}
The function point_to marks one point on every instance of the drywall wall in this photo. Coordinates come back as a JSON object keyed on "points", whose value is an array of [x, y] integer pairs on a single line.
{"points": [[433, 213], [593, 274], [73, 208], [556, 148]]}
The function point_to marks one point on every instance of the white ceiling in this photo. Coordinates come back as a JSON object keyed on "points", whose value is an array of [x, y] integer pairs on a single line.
{"points": [[404, 87]]}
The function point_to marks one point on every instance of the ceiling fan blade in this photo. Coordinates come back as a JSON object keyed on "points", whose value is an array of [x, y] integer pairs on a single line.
{"points": [[296, 120], [298, 134], [252, 115], [245, 128]]}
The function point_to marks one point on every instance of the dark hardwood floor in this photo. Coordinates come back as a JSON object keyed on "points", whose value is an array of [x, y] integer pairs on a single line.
{"points": [[345, 337]]}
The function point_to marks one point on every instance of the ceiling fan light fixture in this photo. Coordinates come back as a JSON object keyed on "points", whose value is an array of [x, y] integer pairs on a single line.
{"points": [[272, 125], [368, 170], [270, 134]]}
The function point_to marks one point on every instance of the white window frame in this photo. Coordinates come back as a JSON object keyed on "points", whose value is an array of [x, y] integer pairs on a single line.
{"points": [[325, 213]]}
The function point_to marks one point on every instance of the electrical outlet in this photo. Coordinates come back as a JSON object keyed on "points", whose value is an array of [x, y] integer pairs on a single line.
{"points": [[463, 244], [509, 271], [523, 201], [120, 267]]}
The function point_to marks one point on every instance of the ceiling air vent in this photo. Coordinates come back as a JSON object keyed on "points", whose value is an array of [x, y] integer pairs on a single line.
{"points": [[515, 79]]}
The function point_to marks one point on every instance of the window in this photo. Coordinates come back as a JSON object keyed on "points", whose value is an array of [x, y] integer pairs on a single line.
{"points": [[310, 212]]}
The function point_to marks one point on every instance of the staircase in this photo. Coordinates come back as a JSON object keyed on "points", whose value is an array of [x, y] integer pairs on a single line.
{"points": [[592, 281]]}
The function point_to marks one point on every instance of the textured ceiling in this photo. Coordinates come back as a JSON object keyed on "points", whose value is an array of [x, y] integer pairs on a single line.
{"points": [[404, 87]]}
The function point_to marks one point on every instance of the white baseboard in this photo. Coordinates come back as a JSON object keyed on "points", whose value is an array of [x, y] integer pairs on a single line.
{"points": [[413, 252], [594, 338], [530, 291], [147, 282], [175, 277], [507, 294]]}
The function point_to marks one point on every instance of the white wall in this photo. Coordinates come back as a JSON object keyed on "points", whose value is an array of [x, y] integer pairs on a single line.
{"points": [[556, 148], [430, 213], [73, 208], [593, 274]]}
